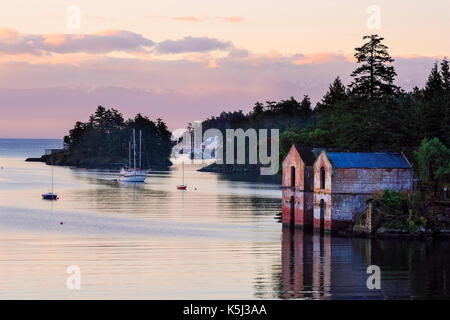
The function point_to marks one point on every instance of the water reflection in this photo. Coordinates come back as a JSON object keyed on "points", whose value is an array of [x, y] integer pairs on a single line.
{"points": [[216, 240], [318, 267]]}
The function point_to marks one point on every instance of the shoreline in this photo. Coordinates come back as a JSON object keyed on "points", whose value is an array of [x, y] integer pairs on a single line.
{"points": [[231, 168], [91, 165]]}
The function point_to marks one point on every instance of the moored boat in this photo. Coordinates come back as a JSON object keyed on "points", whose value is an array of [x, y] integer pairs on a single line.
{"points": [[182, 186], [50, 195], [134, 174]]}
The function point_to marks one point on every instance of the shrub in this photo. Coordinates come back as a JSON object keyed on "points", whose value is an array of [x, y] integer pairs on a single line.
{"points": [[392, 199], [412, 226]]}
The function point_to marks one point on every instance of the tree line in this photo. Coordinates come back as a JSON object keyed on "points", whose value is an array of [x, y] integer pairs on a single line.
{"points": [[103, 141], [370, 114]]}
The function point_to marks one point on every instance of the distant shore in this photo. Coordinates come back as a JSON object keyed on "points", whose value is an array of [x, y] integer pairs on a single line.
{"points": [[231, 168], [64, 159]]}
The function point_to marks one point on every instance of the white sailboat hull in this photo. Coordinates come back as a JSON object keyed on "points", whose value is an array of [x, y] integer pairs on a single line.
{"points": [[133, 175], [133, 179]]}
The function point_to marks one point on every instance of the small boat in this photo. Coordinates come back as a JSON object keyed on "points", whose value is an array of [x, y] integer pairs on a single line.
{"points": [[134, 174], [50, 195], [182, 186]]}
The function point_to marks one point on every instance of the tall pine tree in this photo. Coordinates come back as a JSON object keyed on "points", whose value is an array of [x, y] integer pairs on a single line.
{"points": [[445, 75], [434, 83], [374, 78], [336, 92]]}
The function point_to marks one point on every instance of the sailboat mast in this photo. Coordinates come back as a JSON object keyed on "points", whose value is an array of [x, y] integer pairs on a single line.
{"points": [[52, 172], [129, 154], [134, 150], [140, 149], [182, 169]]}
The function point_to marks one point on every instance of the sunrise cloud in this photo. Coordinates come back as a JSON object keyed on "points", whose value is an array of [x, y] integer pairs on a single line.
{"points": [[230, 19], [189, 18], [103, 42], [321, 57], [192, 44]]}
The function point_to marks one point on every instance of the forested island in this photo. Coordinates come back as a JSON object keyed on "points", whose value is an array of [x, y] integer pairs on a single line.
{"points": [[103, 142]]}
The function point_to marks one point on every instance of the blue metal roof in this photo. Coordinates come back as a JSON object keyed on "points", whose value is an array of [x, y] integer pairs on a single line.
{"points": [[367, 160]]}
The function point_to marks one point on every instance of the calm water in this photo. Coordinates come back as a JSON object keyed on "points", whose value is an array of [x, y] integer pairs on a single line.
{"points": [[217, 240]]}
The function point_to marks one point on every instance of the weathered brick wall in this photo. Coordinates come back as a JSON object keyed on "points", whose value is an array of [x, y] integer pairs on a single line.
{"points": [[327, 217], [302, 216], [302, 207], [353, 180], [346, 206], [322, 161], [322, 194], [293, 160], [347, 190]]}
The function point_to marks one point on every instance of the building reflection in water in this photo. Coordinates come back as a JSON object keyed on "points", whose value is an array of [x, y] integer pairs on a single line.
{"points": [[315, 266], [305, 264]]}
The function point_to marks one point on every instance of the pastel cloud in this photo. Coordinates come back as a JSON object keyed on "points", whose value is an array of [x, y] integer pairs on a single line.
{"points": [[230, 19], [192, 44], [189, 18], [321, 57], [212, 64], [13, 42]]}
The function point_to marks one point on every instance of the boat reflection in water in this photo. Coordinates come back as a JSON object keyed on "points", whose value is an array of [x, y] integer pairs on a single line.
{"points": [[318, 266]]}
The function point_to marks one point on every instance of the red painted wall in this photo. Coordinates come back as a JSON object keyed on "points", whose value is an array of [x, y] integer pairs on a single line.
{"points": [[302, 210]]}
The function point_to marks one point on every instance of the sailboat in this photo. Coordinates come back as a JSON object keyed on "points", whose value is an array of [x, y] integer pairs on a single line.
{"points": [[182, 186], [134, 174], [50, 195]]}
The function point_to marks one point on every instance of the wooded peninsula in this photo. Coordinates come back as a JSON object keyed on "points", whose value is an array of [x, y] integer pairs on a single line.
{"points": [[103, 142]]}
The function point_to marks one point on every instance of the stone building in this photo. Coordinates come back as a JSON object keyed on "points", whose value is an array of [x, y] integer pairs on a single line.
{"points": [[297, 187], [344, 181]]}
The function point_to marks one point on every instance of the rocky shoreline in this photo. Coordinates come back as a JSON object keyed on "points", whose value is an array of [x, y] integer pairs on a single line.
{"points": [[230, 169]]}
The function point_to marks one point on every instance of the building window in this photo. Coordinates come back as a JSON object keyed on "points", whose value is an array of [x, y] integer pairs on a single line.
{"points": [[292, 176], [322, 178]]}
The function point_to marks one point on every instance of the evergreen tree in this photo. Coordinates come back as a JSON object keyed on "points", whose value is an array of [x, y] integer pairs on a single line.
{"points": [[258, 108], [434, 83], [336, 92], [445, 75], [374, 78], [305, 105]]}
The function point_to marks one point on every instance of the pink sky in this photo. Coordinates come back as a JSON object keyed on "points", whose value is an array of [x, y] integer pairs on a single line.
{"points": [[187, 60]]}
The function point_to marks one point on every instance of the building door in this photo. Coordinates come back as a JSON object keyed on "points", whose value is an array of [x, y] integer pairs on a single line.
{"points": [[322, 216], [292, 176], [292, 222]]}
